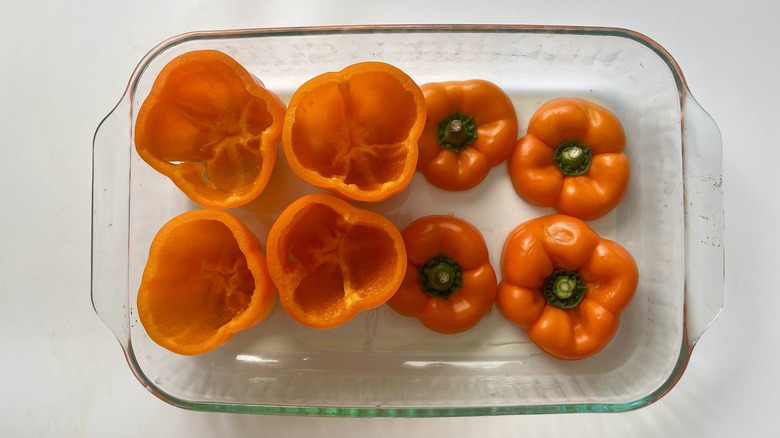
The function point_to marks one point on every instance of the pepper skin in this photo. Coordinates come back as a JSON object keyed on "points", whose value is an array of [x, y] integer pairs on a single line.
{"points": [[212, 128], [572, 158], [205, 280], [330, 260], [458, 157], [449, 284], [559, 253], [355, 131]]}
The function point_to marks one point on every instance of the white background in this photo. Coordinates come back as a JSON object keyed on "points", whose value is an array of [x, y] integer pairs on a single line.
{"points": [[65, 64]]}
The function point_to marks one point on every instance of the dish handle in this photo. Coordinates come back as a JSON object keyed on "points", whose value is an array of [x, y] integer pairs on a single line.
{"points": [[110, 219], [704, 252]]}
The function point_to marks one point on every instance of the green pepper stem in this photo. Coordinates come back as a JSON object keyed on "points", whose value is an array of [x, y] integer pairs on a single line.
{"points": [[564, 289], [573, 157], [440, 276], [457, 132]]}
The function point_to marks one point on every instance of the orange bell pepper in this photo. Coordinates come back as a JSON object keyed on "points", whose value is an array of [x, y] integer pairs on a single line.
{"points": [[572, 159], [565, 285], [471, 127], [331, 260], [205, 280], [449, 284], [355, 131], [212, 128]]}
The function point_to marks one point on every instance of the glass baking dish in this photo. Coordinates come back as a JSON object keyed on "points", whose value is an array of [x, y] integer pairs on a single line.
{"points": [[383, 364]]}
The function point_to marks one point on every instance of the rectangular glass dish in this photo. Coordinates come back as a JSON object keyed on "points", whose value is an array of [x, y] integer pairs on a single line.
{"points": [[381, 363]]}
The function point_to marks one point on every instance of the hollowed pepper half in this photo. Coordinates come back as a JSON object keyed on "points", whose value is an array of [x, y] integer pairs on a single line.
{"points": [[449, 283], [572, 159], [205, 280], [565, 285], [212, 128], [471, 127], [330, 260], [355, 131]]}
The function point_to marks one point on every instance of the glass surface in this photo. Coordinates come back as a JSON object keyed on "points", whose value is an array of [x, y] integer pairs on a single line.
{"points": [[384, 364]]}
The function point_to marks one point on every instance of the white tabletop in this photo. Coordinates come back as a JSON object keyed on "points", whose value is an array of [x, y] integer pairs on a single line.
{"points": [[64, 66]]}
